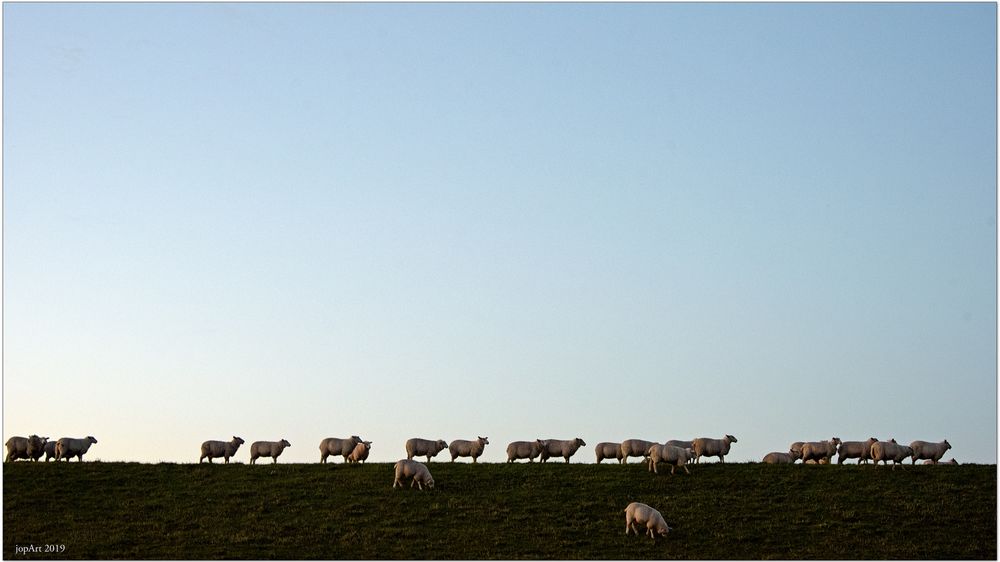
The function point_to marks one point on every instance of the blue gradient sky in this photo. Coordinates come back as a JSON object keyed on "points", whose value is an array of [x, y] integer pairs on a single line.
{"points": [[520, 221]]}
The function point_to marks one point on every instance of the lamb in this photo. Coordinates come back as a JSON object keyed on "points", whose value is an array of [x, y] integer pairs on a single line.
{"points": [[683, 445], [705, 447], [635, 448], [608, 451], [782, 458], [560, 448], [860, 450], [931, 461], [360, 452], [674, 456], [31, 448], [406, 468], [337, 446], [50, 450], [886, 451], [524, 450], [214, 449], [417, 447], [271, 449], [642, 514], [820, 451], [463, 448], [926, 450], [68, 447]]}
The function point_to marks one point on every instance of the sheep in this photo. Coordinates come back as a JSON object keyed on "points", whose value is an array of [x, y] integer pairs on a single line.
{"points": [[635, 448], [31, 448], [640, 513], [683, 445], [213, 449], [524, 450], [926, 450], [782, 458], [406, 468], [931, 461], [68, 447], [271, 449], [706, 447], [860, 450], [463, 448], [337, 446], [360, 452], [608, 451], [886, 451], [674, 456], [560, 448], [797, 447], [820, 450], [50, 450], [417, 447]]}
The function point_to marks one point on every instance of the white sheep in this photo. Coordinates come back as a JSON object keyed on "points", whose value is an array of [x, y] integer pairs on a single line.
{"points": [[706, 447], [271, 449], [564, 448], [50, 450], [640, 513], [797, 447], [464, 448], [68, 447], [524, 450], [337, 446], [406, 468], [360, 452], [608, 451], [928, 450], [890, 450], [820, 451], [931, 461], [674, 456], [635, 448], [215, 449], [782, 458], [31, 448], [860, 450], [417, 447]]}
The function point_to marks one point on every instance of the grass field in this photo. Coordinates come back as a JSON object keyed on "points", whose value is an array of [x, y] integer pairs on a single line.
{"points": [[575, 511]]}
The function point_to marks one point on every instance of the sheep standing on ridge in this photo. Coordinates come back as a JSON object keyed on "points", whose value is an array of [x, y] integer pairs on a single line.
{"points": [[564, 448], [608, 451], [820, 451], [406, 468], [50, 450], [215, 449], [267, 449], [68, 447], [524, 450], [417, 447], [860, 450], [890, 450], [360, 452], [463, 448], [635, 448], [337, 446], [642, 514], [782, 458], [706, 447], [674, 456], [927, 450], [31, 448]]}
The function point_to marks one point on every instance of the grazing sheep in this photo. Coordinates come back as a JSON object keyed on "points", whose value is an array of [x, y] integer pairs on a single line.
{"points": [[927, 450], [820, 451], [463, 448], [674, 456], [782, 458], [214, 449], [560, 448], [608, 451], [31, 448], [642, 514], [50, 450], [360, 452], [635, 448], [68, 447], [524, 450], [890, 450], [406, 468], [860, 450], [931, 461], [417, 447], [267, 449], [706, 447], [337, 446]]}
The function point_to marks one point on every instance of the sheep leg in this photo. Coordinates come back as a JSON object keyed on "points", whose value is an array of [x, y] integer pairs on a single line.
{"points": [[686, 468]]}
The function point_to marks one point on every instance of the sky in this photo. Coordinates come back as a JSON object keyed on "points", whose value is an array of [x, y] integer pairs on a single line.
{"points": [[519, 221]]}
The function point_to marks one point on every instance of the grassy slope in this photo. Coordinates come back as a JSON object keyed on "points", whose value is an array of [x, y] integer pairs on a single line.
{"points": [[744, 511]]}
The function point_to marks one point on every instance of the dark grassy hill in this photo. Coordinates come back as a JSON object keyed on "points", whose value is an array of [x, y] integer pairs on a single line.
{"points": [[296, 511]]}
